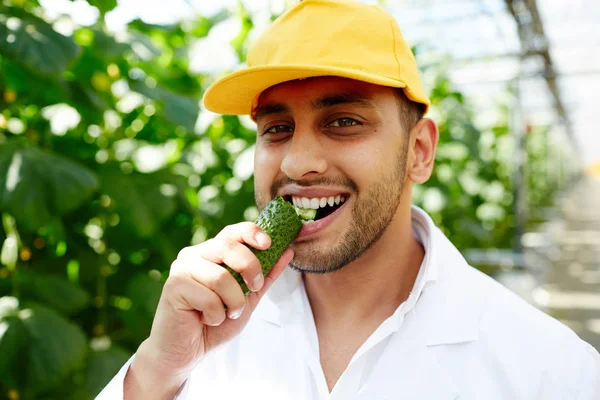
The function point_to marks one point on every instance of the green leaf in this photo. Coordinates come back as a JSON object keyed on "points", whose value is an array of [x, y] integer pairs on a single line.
{"points": [[138, 199], [103, 6], [144, 290], [240, 40], [57, 348], [60, 294], [178, 109], [36, 185], [106, 45], [102, 367], [31, 41], [137, 25], [13, 337], [143, 46], [202, 25]]}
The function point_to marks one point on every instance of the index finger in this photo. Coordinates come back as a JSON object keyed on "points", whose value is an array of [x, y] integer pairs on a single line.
{"points": [[247, 232]]}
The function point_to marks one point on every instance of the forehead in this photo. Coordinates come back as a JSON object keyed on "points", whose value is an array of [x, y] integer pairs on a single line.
{"points": [[311, 88]]}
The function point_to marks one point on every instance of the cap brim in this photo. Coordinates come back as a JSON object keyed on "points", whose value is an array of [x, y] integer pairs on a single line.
{"points": [[234, 94]]}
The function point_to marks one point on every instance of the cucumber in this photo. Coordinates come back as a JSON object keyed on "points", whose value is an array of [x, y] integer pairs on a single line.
{"points": [[280, 221], [306, 214]]}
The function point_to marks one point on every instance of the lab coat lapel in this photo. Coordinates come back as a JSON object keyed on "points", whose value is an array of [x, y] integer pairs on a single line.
{"points": [[443, 315], [449, 311], [408, 369]]}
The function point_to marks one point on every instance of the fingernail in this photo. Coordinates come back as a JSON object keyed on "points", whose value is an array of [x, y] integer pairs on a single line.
{"points": [[257, 282], [262, 238], [236, 314]]}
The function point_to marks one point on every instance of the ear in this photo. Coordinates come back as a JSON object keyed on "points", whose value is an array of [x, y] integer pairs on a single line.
{"points": [[424, 138]]}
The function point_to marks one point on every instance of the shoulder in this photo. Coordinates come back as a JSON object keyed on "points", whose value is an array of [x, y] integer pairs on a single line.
{"points": [[514, 335], [500, 312], [518, 335]]}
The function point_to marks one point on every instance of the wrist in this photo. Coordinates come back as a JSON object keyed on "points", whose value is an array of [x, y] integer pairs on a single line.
{"points": [[148, 379]]}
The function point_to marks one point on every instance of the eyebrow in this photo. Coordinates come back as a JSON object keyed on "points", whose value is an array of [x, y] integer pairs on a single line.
{"points": [[344, 98], [272, 108], [319, 104]]}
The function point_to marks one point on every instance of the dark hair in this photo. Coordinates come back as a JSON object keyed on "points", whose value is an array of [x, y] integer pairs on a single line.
{"points": [[410, 111]]}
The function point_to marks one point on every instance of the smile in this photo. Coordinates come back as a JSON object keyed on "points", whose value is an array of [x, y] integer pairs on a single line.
{"points": [[328, 208], [324, 205]]}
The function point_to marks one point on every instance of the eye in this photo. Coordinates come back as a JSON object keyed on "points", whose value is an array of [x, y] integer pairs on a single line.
{"points": [[279, 129], [343, 122]]}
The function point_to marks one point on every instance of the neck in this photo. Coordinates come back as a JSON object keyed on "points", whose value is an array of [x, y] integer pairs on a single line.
{"points": [[373, 286]]}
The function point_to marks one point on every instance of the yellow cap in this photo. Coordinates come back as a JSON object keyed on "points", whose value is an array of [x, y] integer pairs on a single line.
{"points": [[342, 38]]}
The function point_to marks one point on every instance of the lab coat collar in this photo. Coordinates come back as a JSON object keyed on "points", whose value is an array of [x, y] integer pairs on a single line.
{"points": [[451, 311], [443, 312]]}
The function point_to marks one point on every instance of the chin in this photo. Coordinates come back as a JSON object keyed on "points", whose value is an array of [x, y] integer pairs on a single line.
{"points": [[309, 260]]}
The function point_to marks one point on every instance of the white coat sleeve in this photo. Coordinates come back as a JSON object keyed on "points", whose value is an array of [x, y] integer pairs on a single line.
{"points": [[588, 387], [574, 374], [114, 389]]}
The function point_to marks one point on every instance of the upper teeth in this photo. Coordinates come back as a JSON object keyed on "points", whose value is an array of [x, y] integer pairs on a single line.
{"points": [[317, 202]]}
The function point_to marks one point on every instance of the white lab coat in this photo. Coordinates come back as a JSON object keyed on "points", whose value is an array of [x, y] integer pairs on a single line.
{"points": [[460, 335]]}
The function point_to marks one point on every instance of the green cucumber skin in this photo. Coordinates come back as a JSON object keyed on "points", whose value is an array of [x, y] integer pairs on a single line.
{"points": [[280, 221]]}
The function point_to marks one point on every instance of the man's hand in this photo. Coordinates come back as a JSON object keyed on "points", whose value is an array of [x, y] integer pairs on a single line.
{"points": [[201, 307]]}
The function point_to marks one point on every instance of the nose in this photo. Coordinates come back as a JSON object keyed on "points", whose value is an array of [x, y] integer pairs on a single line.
{"points": [[303, 156]]}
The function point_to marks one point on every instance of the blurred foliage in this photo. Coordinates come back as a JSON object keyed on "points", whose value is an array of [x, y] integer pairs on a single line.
{"points": [[108, 167]]}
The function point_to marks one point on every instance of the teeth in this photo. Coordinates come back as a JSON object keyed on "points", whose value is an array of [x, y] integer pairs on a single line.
{"points": [[308, 222], [317, 202]]}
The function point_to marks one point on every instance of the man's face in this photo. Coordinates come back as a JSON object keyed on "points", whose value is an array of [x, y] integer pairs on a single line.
{"points": [[328, 137]]}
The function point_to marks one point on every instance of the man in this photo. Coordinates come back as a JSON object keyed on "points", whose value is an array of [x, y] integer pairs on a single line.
{"points": [[376, 302]]}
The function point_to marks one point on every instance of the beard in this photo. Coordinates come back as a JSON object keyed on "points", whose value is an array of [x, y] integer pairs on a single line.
{"points": [[371, 214]]}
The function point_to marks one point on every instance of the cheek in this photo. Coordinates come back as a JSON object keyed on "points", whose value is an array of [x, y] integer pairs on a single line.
{"points": [[360, 164], [372, 166], [267, 165]]}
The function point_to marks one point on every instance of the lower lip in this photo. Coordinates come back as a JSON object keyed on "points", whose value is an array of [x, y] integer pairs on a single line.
{"points": [[320, 224]]}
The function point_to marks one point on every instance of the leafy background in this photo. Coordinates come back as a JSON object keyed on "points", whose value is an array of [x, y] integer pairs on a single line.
{"points": [[109, 166]]}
